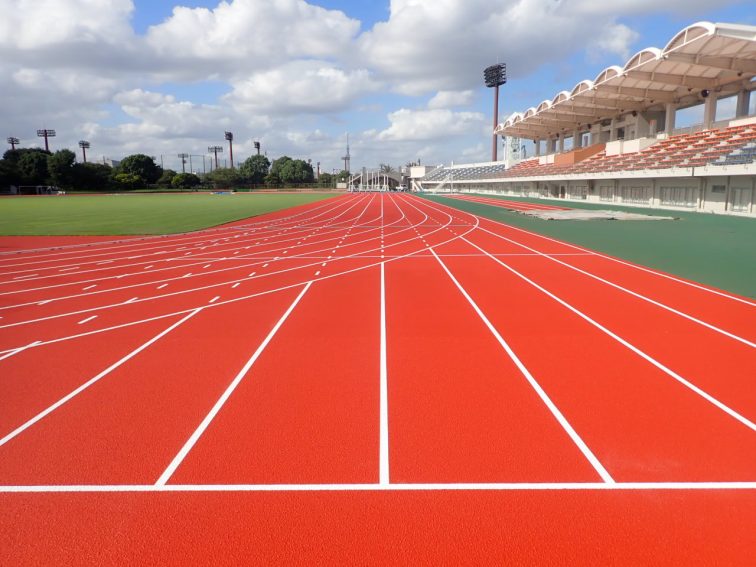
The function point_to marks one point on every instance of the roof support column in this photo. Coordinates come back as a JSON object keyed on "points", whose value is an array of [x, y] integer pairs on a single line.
{"points": [[669, 117], [577, 139], [710, 110], [744, 104], [613, 130], [552, 146], [561, 143], [537, 147]]}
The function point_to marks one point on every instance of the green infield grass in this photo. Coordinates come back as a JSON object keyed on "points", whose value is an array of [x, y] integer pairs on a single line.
{"points": [[136, 213], [718, 250]]}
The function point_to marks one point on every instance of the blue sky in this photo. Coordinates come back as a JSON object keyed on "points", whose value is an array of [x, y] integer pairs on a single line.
{"points": [[403, 78]]}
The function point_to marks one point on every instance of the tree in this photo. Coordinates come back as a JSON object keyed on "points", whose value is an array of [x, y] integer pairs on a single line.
{"points": [[326, 179], [60, 167], [128, 181], [292, 170], [224, 178], [93, 176], [166, 178], [9, 174], [32, 165], [386, 168], [343, 176], [255, 168], [142, 166], [185, 180]]}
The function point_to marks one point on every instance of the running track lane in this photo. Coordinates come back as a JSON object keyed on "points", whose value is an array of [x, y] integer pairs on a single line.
{"points": [[641, 424], [127, 427], [376, 528], [459, 409], [308, 410]]}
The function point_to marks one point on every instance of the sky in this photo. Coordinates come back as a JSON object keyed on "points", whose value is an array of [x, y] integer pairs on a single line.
{"points": [[404, 78]]}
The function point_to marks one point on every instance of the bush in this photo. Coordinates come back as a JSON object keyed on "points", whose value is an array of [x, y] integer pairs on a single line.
{"points": [[166, 179], [185, 180], [128, 181]]}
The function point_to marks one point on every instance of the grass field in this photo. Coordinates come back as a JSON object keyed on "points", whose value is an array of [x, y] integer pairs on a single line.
{"points": [[135, 214], [717, 250]]}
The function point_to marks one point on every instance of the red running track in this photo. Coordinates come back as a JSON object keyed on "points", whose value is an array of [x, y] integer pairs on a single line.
{"points": [[374, 378], [506, 203]]}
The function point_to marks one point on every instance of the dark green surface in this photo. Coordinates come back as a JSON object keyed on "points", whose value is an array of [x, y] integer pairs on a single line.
{"points": [[717, 250], [135, 213]]}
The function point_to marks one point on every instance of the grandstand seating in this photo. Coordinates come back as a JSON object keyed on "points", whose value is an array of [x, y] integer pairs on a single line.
{"points": [[729, 146]]}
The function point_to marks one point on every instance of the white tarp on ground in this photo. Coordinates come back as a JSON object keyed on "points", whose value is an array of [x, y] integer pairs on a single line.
{"points": [[585, 214]]}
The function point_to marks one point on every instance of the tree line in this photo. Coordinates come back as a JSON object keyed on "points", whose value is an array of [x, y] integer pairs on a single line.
{"points": [[33, 166]]}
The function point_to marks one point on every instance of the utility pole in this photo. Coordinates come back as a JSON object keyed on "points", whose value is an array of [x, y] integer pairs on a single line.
{"points": [[183, 161], [46, 134], [495, 76], [84, 145], [215, 150], [13, 141], [230, 138]]}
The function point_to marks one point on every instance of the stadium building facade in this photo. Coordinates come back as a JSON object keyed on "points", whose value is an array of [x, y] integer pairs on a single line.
{"points": [[614, 140]]}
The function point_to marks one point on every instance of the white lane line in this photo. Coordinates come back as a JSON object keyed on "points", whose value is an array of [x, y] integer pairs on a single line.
{"points": [[89, 287], [668, 371], [68, 269], [317, 273], [132, 300], [148, 267], [179, 458], [265, 265], [97, 378], [235, 285], [603, 473], [162, 286], [186, 275], [214, 299], [481, 486], [630, 292], [19, 349], [44, 302], [252, 274], [206, 266], [383, 471], [87, 320], [26, 276]]}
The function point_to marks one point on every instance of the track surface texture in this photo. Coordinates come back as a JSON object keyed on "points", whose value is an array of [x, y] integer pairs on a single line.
{"points": [[370, 379]]}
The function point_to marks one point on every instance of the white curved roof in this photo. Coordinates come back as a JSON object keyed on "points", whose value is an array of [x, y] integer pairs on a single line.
{"points": [[717, 57]]}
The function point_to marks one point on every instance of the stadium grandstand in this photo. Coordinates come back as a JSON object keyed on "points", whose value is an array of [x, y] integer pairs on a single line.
{"points": [[614, 139]]}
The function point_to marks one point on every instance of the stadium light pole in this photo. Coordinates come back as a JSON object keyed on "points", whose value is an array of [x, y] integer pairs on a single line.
{"points": [[183, 162], [45, 133], [13, 141], [230, 138], [84, 145], [257, 146], [495, 76], [215, 150]]}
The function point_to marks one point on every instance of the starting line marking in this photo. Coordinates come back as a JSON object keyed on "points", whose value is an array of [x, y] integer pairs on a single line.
{"points": [[394, 487]]}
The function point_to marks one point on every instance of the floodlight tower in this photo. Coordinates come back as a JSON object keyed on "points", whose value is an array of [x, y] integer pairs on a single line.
{"points": [[495, 76], [13, 141], [46, 134], [347, 158], [257, 146], [215, 150], [183, 162], [230, 138], [84, 145]]}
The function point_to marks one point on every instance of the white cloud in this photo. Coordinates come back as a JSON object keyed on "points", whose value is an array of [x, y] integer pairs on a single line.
{"points": [[418, 125], [300, 87], [450, 99], [244, 35], [615, 39]]}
